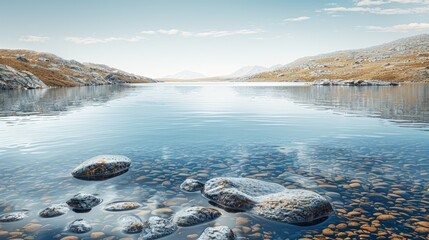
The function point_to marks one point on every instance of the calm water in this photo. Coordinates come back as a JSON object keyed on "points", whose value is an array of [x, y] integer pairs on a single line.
{"points": [[317, 138]]}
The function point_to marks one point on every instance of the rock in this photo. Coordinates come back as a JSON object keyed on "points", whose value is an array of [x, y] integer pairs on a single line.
{"points": [[330, 82], [14, 216], [22, 59], [195, 215], [157, 227], [191, 185], [97, 234], [385, 217], [43, 59], [268, 200], [121, 206], [217, 233], [54, 210], [327, 232], [84, 202], [131, 224], [32, 227], [102, 167], [11, 78], [79, 226]]}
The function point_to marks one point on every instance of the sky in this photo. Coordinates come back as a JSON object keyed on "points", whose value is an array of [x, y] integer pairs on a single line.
{"points": [[161, 37]]}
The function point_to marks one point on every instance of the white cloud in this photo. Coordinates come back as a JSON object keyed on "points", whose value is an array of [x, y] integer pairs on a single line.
{"points": [[298, 19], [379, 11], [93, 40], [381, 2], [38, 39], [403, 28], [213, 34]]}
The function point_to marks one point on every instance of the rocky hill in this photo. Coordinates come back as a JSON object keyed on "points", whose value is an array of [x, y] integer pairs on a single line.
{"points": [[404, 60], [22, 69]]}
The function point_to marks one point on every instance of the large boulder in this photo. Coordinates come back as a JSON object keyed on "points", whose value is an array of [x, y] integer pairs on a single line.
{"points": [[268, 200], [14, 216], [131, 224], [195, 215], [102, 167], [217, 233], [156, 227], [11, 78], [83, 202]]}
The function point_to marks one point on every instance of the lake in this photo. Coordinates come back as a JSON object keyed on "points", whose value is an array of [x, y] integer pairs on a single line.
{"points": [[366, 149]]}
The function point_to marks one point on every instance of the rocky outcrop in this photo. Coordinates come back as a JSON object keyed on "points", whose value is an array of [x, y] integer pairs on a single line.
{"points": [[268, 200], [102, 167], [195, 215], [330, 82], [217, 233], [21, 69], [11, 78]]}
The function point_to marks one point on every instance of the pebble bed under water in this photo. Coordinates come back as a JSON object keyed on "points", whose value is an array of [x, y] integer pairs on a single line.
{"points": [[378, 184]]}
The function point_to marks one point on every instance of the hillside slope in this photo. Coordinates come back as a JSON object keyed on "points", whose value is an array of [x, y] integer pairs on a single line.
{"points": [[404, 60], [22, 69]]}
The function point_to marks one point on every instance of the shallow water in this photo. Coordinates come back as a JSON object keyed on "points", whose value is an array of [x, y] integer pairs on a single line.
{"points": [[317, 138]]}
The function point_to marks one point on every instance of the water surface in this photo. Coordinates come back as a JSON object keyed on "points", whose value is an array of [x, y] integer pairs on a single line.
{"points": [[319, 138]]}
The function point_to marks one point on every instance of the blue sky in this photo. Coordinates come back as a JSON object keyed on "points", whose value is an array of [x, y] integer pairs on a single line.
{"points": [[160, 37]]}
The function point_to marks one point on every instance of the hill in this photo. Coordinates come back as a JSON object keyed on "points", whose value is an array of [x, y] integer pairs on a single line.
{"points": [[404, 60], [23, 69]]}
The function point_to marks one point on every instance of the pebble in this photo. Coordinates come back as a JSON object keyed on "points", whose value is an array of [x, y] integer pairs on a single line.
{"points": [[102, 167], [121, 206]]}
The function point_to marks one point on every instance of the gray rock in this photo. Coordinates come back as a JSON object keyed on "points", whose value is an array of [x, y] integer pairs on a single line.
{"points": [[83, 202], [14, 216], [121, 206], [217, 233], [22, 59], [43, 59], [195, 215], [191, 185], [340, 82], [79, 226], [54, 210], [157, 227], [268, 200], [102, 167], [11, 78], [131, 224]]}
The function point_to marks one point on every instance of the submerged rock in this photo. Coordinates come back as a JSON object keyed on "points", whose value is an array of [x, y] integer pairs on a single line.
{"points": [[102, 167], [54, 210], [195, 215], [14, 216], [121, 206], [268, 200], [191, 185], [217, 233], [84, 202], [79, 226], [131, 224], [157, 227]]}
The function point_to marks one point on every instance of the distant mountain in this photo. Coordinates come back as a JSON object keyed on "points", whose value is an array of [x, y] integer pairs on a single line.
{"points": [[251, 70], [185, 75], [403, 60], [23, 69]]}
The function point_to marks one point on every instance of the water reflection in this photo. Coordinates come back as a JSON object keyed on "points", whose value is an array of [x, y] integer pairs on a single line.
{"points": [[55, 100]]}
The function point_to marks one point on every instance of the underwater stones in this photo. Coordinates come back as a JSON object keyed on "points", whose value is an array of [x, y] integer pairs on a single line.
{"points": [[217, 233], [268, 200], [54, 210], [121, 206], [79, 226], [83, 202], [131, 224], [13, 216], [102, 167], [156, 227], [195, 215], [191, 185]]}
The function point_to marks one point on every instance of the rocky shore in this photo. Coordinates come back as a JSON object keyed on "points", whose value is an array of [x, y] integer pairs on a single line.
{"points": [[22, 69]]}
